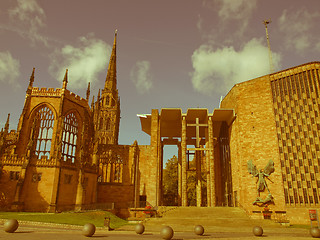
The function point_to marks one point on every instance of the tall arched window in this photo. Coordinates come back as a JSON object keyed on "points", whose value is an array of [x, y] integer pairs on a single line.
{"points": [[44, 120], [69, 137]]}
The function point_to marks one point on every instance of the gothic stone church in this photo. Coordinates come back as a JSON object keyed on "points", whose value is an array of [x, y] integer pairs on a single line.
{"points": [[261, 147]]}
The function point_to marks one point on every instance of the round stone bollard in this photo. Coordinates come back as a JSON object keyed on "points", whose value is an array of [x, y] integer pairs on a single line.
{"points": [[166, 233], [199, 230], [257, 231], [315, 232], [139, 228], [11, 225], [88, 229]]}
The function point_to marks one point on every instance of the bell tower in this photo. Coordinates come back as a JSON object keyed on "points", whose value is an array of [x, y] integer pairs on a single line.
{"points": [[107, 107]]}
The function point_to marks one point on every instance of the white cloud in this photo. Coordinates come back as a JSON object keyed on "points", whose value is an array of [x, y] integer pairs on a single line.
{"points": [[296, 27], [9, 69], [84, 61], [199, 22], [141, 76], [216, 71], [29, 15], [318, 46], [239, 9], [231, 14]]}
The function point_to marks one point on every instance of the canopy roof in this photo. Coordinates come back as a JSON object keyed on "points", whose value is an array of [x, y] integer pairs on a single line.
{"points": [[171, 120]]}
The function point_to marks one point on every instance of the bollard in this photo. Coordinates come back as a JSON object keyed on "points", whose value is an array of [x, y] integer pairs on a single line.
{"points": [[166, 233], [11, 225], [257, 231], [315, 232], [199, 230], [88, 229], [139, 228]]}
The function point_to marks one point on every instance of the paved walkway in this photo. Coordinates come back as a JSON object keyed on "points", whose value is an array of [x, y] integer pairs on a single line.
{"points": [[67, 232]]}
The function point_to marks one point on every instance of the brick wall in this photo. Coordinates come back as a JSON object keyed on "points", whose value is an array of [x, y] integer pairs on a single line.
{"points": [[253, 137]]}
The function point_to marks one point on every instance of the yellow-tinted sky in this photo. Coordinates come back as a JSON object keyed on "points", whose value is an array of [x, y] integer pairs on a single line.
{"points": [[181, 53]]}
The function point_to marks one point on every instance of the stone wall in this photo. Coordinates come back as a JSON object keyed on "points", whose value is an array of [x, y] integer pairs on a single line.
{"points": [[253, 137], [37, 188], [147, 175]]}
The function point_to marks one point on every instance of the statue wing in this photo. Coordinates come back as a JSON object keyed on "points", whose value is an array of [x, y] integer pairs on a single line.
{"points": [[252, 169], [269, 168]]}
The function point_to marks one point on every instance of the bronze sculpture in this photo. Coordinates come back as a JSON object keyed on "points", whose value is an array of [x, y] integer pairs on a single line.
{"points": [[262, 184]]}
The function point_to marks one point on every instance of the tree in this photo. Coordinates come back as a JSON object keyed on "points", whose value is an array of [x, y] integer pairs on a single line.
{"points": [[170, 182]]}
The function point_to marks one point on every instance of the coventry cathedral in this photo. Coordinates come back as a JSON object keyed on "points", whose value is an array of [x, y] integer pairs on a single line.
{"points": [[259, 148]]}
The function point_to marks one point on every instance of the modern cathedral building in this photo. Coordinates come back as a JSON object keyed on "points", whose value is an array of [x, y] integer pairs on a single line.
{"points": [[260, 148]]}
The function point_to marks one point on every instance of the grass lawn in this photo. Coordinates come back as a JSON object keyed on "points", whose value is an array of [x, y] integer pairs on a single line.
{"points": [[74, 218]]}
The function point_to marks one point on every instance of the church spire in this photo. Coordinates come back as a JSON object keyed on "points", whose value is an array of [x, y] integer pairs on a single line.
{"points": [[65, 80], [111, 80]]}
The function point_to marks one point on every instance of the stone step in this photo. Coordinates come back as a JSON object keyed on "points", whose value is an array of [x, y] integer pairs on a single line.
{"points": [[211, 218]]}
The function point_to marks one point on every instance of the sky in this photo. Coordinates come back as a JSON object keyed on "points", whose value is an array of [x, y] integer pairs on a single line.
{"points": [[181, 54]]}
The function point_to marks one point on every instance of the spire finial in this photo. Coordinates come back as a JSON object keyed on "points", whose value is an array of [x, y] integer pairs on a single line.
{"points": [[111, 80], [88, 91], [31, 78], [65, 80], [98, 95]]}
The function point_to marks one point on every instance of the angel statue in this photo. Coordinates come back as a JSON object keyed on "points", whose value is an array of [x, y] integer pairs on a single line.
{"points": [[261, 182]]}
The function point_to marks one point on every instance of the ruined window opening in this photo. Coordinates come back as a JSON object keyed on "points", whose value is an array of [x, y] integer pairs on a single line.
{"points": [[118, 163], [44, 121], [111, 168], [69, 137]]}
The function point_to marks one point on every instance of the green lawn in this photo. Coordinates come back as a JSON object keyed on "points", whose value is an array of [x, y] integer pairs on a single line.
{"points": [[74, 218]]}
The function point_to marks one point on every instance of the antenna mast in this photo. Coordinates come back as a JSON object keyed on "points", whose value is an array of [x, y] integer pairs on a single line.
{"points": [[266, 22]]}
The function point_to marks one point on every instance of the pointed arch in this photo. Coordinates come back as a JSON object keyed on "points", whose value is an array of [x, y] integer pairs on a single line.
{"points": [[43, 121], [69, 137]]}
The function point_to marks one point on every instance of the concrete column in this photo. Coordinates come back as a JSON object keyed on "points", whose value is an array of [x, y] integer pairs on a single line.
{"points": [[154, 181], [179, 176], [211, 164], [160, 176], [208, 171], [198, 165], [198, 176], [184, 162]]}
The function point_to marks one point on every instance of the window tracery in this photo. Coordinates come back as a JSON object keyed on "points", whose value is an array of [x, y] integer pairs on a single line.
{"points": [[111, 168], [69, 137], [44, 121], [117, 174]]}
